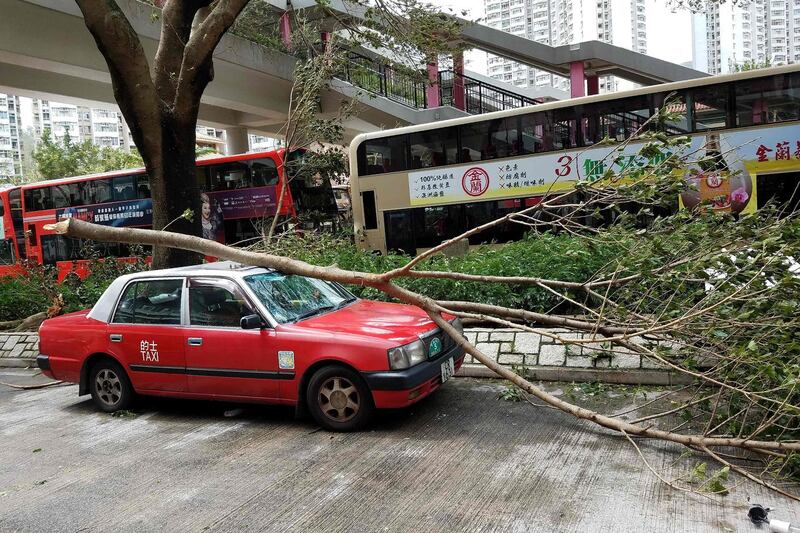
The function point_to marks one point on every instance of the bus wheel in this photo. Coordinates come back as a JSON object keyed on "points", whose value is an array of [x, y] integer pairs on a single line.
{"points": [[338, 399], [110, 387]]}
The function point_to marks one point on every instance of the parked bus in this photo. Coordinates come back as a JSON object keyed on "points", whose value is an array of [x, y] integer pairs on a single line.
{"points": [[238, 193], [416, 186]]}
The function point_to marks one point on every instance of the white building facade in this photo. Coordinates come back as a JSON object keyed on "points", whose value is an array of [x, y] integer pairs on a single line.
{"points": [[760, 32], [562, 22], [10, 142]]}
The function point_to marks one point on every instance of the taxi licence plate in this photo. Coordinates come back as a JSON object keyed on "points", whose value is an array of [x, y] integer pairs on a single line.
{"points": [[448, 369]]}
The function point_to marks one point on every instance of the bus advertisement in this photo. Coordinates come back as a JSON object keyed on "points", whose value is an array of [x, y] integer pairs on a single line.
{"points": [[415, 187]]}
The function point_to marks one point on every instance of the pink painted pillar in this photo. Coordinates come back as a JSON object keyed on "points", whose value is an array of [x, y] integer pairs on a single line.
{"points": [[577, 79], [325, 37], [758, 111], [592, 85], [432, 90], [459, 96], [286, 30]]}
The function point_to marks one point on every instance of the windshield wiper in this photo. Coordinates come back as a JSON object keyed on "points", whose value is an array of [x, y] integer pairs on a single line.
{"points": [[316, 311]]}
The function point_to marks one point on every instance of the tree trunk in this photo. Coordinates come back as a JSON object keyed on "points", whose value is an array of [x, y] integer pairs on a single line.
{"points": [[175, 189]]}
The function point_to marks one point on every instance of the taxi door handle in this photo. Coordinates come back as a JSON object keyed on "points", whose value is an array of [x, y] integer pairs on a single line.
{"points": [[115, 337], [195, 341]]}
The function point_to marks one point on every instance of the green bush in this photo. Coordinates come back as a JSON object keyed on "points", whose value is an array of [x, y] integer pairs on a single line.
{"points": [[23, 296], [550, 256]]}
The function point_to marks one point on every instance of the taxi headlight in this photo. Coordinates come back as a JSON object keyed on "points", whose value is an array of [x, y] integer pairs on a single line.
{"points": [[407, 356]]}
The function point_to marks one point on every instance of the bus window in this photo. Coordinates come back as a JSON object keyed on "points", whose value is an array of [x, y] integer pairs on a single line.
{"points": [[99, 191], [432, 225], [38, 199], [142, 186], [433, 148], [615, 119], [766, 100], [535, 134], [15, 203], [69, 194], [264, 172], [489, 139], [370, 213], [674, 103], [229, 176], [201, 173], [399, 233], [564, 129], [710, 107], [376, 156], [123, 188], [7, 252]]}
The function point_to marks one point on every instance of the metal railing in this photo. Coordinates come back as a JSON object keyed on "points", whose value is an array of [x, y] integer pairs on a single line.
{"points": [[479, 96], [456, 90], [383, 80]]}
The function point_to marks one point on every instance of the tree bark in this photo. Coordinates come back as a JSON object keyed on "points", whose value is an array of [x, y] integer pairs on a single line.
{"points": [[161, 107]]}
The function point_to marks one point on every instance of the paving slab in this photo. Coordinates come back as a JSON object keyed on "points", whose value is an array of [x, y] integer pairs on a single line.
{"points": [[459, 461]]}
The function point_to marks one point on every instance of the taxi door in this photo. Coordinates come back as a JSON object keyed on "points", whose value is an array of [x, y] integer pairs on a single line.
{"points": [[222, 359], [145, 333]]}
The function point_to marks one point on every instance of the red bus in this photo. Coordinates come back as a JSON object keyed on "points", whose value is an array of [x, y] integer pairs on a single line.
{"points": [[238, 194], [11, 232]]}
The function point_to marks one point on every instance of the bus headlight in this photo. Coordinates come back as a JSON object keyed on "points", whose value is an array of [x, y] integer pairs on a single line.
{"points": [[407, 356]]}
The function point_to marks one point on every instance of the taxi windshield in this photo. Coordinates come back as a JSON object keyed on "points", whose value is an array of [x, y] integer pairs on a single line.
{"points": [[291, 298]]}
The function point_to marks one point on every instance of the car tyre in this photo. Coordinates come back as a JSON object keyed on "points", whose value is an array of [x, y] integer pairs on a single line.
{"points": [[110, 387], [338, 399]]}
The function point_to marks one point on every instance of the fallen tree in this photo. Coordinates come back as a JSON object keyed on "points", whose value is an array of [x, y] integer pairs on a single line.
{"points": [[707, 295]]}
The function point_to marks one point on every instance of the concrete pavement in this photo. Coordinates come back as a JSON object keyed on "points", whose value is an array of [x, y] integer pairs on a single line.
{"points": [[459, 461]]}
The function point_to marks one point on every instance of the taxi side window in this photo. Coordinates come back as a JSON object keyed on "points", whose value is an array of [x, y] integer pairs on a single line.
{"points": [[150, 302], [217, 303]]}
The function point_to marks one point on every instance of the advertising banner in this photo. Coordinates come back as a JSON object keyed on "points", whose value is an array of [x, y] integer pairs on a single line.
{"points": [[117, 214], [742, 154], [255, 202]]}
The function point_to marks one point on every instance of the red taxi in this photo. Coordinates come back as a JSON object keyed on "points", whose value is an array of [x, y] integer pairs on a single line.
{"points": [[225, 331]]}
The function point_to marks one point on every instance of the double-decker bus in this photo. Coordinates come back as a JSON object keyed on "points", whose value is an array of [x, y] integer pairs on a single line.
{"points": [[415, 187], [238, 193]]}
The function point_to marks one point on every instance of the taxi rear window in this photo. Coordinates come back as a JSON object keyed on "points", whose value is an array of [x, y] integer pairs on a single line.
{"points": [[150, 302]]}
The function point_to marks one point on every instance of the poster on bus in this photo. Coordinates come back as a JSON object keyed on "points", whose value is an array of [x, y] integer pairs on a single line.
{"points": [[118, 214], [741, 155]]}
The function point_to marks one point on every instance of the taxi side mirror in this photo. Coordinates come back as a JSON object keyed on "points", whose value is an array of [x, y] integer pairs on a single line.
{"points": [[251, 322]]}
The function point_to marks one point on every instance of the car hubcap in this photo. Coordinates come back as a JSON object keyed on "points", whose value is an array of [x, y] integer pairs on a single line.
{"points": [[339, 399], [108, 387]]}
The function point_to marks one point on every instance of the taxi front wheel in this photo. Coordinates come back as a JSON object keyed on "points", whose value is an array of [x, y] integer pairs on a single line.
{"points": [[338, 399], [110, 387]]}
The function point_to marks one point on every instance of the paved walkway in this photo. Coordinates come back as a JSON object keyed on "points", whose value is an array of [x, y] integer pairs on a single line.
{"points": [[460, 461]]}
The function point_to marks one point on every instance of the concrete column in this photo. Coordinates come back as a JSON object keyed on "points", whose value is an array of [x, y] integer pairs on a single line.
{"points": [[459, 96], [236, 141], [592, 85], [432, 90], [577, 79], [285, 26]]}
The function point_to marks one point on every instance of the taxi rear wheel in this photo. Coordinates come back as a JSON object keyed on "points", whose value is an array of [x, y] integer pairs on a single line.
{"points": [[110, 387], [338, 399]]}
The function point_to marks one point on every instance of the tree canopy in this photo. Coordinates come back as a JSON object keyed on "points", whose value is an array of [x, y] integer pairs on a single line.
{"points": [[54, 159]]}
